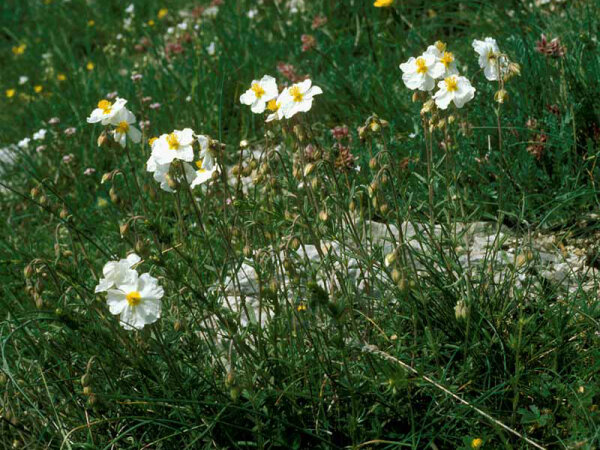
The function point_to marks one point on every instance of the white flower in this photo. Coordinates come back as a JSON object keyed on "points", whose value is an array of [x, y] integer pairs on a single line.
{"points": [[137, 301], [115, 272], [493, 64], [182, 25], [130, 9], [251, 13], [211, 12], [106, 111], [39, 135], [455, 89], [260, 92], [211, 49], [162, 174], [202, 174], [207, 155], [420, 73], [444, 57], [124, 121], [23, 79], [297, 98], [175, 145], [24, 143]]}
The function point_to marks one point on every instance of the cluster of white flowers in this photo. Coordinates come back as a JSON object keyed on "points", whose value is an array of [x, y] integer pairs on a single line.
{"points": [[133, 297], [117, 115], [264, 95], [178, 146], [435, 63]]}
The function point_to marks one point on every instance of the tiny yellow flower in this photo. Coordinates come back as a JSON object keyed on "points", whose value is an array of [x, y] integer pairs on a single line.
{"points": [[91, 23], [38, 88], [383, 3], [301, 307], [90, 66], [476, 443], [19, 50], [10, 93], [162, 13], [151, 23], [61, 77]]}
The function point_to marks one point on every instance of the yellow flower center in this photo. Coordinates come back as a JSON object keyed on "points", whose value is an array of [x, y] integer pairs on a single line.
{"points": [[441, 46], [123, 127], [133, 298], [296, 94], [447, 58], [199, 166], [451, 84], [151, 141], [105, 106], [173, 141], [421, 66], [258, 90], [273, 105]]}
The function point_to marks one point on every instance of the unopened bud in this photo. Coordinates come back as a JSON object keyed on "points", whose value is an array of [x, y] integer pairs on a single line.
{"points": [[323, 215], [113, 195], [373, 163], [501, 96], [247, 251], [295, 244], [103, 139], [308, 169], [123, 229], [461, 311], [390, 258], [171, 182]]}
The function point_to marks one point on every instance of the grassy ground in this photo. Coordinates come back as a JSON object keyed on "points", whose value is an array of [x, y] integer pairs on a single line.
{"points": [[438, 357]]}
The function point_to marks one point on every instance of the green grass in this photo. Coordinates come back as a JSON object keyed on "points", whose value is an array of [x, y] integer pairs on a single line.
{"points": [[526, 353]]}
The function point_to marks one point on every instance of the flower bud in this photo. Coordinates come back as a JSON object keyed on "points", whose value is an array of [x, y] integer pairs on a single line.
{"points": [[501, 96], [373, 163], [247, 251], [323, 215], [113, 195], [461, 311], [103, 139], [171, 182], [295, 243], [123, 229], [308, 169], [390, 258]]}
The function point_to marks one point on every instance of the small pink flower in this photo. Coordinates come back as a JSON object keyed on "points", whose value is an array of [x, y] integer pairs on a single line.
{"points": [[154, 105], [144, 124], [340, 132], [111, 95], [40, 148], [68, 158], [146, 99], [54, 121], [308, 42], [136, 77], [70, 131], [318, 22], [89, 171]]}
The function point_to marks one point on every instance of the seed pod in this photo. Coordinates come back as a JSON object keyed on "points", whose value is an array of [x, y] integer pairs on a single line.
{"points": [[64, 213], [34, 192], [103, 139], [323, 215], [247, 250], [87, 390], [384, 209], [396, 275], [314, 183], [85, 380]]}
